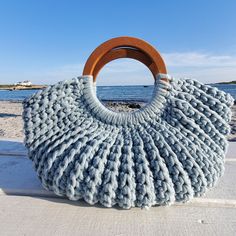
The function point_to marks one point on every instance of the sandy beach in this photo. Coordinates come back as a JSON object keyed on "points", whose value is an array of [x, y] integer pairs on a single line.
{"points": [[11, 124]]}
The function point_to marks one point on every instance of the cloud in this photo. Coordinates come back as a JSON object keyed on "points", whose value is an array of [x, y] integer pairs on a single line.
{"points": [[63, 72], [39, 75], [195, 59], [125, 72], [205, 67]]}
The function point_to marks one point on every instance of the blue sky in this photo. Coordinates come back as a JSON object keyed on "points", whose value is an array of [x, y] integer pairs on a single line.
{"points": [[48, 41]]}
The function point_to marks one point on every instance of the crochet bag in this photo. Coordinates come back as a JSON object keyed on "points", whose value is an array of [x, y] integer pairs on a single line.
{"points": [[170, 150]]}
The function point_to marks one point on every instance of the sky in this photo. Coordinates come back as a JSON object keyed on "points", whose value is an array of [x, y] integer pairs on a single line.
{"points": [[48, 41]]}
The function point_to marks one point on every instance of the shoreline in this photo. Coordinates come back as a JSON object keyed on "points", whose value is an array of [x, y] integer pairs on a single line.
{"points": [[19, 87], [11, 123]]}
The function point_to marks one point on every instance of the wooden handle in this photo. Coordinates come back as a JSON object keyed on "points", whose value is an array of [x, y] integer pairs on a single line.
{"points": [[124, 47]]}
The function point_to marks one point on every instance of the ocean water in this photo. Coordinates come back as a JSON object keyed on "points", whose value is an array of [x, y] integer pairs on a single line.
{"points": [[113, 93]]}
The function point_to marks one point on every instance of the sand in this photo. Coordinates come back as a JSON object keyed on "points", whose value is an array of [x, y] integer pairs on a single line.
{"points": [[11, 124]]}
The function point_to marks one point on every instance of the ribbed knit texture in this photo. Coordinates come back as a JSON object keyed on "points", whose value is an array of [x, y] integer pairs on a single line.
{"points": [[170, 150]]}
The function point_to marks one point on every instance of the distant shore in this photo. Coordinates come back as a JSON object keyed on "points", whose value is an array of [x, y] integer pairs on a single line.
{"points": [[33, 87], [20, 87], [11, 124], [230, 82]]}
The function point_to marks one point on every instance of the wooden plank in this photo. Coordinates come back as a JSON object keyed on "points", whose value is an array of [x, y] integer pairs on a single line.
{"points": [[226, 187], [12, 147], [48, 216], [41, 212], [17, 177], [231, 152]]}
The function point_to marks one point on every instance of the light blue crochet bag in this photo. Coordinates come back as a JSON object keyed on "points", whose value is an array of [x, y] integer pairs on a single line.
{"points": [[170, 150]]}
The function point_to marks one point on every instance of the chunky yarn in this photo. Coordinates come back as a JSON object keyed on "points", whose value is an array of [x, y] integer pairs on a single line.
{"points": [[170, 150]]}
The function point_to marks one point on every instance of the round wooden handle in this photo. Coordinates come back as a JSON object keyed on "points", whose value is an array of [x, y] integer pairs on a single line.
{"points": [[124, 47], [126, 53]]}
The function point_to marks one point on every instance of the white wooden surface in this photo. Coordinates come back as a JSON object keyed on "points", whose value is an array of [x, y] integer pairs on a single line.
{"points": [[27, 209]]}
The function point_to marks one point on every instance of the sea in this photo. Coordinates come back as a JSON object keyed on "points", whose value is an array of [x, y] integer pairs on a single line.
{"points": [[111, 93]]}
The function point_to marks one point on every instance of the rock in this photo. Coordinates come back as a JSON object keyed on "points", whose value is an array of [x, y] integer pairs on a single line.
{"points": [[134, 105]]}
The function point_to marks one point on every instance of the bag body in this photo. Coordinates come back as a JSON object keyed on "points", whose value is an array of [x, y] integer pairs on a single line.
{"points": [[170, 150]]}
